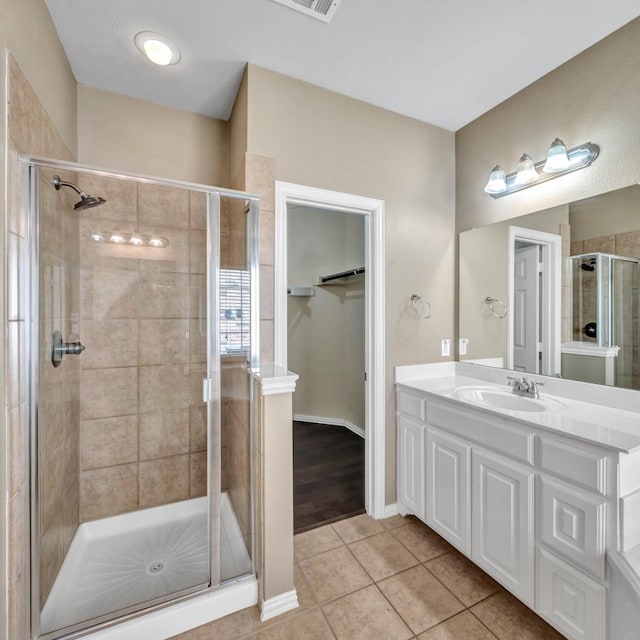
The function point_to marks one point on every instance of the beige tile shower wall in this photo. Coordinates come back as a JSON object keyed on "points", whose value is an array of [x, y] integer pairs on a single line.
{"points": [[143, 422], [236, 439], [260, 176], [31, 132], [626, 244], [59, 420]]}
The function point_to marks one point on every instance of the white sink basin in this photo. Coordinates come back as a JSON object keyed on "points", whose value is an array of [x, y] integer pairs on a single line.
{"points": [[507, 400]]}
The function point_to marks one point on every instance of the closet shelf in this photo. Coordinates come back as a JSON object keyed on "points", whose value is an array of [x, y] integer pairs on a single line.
{"points": [[331, 277], [303, 290]]}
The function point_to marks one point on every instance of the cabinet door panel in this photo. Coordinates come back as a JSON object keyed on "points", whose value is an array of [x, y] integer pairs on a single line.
{"points": [[574, 603], [411, 467], [573, 523], [502, 522], [448, 488]]}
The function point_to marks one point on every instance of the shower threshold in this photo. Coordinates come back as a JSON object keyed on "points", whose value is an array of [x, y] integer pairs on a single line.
{"points": [[119, 562]]}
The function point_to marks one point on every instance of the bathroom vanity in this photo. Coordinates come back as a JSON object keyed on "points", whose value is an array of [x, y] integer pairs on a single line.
{"points": [[541, 493]]}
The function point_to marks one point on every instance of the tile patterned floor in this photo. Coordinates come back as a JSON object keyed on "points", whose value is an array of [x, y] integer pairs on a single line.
{"points": [[393, 579]]}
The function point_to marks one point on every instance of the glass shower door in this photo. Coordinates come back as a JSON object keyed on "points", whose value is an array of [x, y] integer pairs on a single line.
{"points": [[127, 440]]}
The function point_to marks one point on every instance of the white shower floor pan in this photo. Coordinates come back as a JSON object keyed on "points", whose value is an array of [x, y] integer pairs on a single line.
{"points": [[120, 562]]}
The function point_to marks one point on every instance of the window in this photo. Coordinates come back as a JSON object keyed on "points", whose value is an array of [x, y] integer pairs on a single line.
{"points": [[235, 311]]}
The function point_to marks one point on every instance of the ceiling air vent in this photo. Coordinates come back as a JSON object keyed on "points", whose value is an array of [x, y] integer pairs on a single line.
{"points": [[321, 9]]}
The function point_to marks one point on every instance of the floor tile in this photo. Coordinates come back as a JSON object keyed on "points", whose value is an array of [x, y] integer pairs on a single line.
{"points": [[420, 598], [310, 625], [508, 618], [464, 626], [382, 555], [315, 541], [306, 598], [467, 581], [396, 521], [357, 528], [365, 615], [424, 543], [334, 573]]}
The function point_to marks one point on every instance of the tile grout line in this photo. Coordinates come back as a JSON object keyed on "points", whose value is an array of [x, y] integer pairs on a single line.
{"points": [[482, 623]]}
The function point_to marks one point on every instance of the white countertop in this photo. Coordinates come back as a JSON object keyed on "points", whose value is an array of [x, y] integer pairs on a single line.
{"points": [[597, 424]]}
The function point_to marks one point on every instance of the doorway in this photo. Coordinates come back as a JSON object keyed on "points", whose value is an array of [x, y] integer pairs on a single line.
{"points": [[371, 220], [534, 301], [326, 348]]}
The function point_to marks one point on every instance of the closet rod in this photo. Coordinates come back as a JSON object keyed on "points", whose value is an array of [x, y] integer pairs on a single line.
{"points": [[342, 274]]}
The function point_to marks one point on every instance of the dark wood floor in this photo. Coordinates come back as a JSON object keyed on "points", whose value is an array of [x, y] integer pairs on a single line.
{"points": [[328, 475]]}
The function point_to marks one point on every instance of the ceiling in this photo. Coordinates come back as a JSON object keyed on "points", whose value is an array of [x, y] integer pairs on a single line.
{"points": [[444, 62]]}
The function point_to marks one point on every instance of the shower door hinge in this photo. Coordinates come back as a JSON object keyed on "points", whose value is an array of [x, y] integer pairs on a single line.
{"points": [[207, 390], [365, 376]]}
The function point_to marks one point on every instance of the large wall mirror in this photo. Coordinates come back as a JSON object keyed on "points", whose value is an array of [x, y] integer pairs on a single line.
{"points": [[556, 292]]}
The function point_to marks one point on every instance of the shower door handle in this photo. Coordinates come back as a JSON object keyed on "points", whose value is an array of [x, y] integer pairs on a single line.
{"points": [[60, 349]]}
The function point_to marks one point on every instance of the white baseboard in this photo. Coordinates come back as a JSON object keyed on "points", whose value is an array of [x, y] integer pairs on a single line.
{"points": [[278, 605], [391, 510], [337, 422]]}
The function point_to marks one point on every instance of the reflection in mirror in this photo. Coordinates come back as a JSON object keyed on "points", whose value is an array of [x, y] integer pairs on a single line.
{"points": [[568, 277]]}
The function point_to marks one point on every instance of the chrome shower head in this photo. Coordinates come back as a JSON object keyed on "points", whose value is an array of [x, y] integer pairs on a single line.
{"points": [[86, 201]]}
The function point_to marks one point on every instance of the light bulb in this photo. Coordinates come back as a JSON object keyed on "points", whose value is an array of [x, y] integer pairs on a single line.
{"points": [[96, 237], [497, 181], [157, 48], [116, 238], [557, 158], [136, 240], [156, 241], [526, 171]]}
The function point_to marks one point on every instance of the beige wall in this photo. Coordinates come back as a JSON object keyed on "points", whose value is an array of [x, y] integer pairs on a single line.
{"points": [[27, 31], [323, 139], [326, 331], [483, 271], [126, 134], [238, 134], [609, 214], [593, 97]]}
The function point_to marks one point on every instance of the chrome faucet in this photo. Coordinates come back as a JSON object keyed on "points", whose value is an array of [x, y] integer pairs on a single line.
{"points": [[524, 387]]}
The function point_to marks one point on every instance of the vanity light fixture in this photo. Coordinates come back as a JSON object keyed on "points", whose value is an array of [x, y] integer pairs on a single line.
{"points": [[557, 158], [526, 172], [134, 239], [558, 162], [157, 48]]}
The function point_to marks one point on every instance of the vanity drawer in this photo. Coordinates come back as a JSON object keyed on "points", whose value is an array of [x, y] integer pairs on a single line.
{"points": [[573, 524], [491, 431], [574, 603], [412, 405], [587, 468]]}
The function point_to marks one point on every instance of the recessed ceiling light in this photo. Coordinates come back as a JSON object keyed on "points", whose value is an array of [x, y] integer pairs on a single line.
{"points": [[158, 48]]}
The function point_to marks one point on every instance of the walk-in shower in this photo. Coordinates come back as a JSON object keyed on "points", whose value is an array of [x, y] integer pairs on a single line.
{"points": [[143, 316], [605, 308]]}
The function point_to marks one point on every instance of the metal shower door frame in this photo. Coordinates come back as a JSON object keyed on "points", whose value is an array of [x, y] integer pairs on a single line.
{"points": [[30, 172]]}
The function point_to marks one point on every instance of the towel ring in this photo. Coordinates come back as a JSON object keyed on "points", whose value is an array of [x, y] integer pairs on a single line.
{"points": [[494, 301], [418, 305]]}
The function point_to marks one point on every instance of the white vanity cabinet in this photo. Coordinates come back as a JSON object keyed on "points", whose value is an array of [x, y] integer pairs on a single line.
{"points": [[535, 511], [502, 522], [448, 464], [411, 484]]}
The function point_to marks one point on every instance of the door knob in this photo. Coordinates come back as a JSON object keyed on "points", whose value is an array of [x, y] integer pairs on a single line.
{"points": [[60, 349]]}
